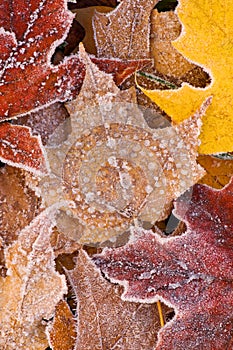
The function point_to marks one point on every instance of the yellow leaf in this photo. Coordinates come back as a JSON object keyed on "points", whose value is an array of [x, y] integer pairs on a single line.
{"points": [[206, 40]]}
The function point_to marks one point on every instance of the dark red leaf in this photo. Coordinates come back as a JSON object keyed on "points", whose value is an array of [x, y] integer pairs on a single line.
{"points": [[193, 272], [120, 69], [19, 148], [30, 32]]}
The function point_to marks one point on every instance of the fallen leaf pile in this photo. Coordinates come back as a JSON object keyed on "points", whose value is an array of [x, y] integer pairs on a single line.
{"points": [[116, 175]]}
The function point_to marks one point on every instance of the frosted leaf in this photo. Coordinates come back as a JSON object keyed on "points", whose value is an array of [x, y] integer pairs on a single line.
{"points": [[112, 322], [124, 32], [62, 332], [18, 204], [18, 147], [113, 167], [32, 31], [191, 272], [32, 287]]}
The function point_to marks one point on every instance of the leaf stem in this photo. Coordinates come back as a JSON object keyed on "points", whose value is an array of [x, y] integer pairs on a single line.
{"points": [[161, 319], [157, 79]]}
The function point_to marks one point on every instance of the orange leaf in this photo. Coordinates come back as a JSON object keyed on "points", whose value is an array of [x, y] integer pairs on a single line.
{"points": [[62, 332]]}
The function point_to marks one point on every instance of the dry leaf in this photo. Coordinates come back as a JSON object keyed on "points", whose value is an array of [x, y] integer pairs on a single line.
{"points": [[84, 17], [32, 287], [124, 32], [166, 27], [104, 320], [62, 332], [62, 244], [18, 204], [218, 171], [206, 40], [113, 166]]}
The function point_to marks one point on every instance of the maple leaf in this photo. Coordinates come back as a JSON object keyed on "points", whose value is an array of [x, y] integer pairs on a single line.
{"points": [[20, 148], [117, 33], [28, 37], [113, 166], [112, 323], [191, 272], [31, 288], [206, 40]]}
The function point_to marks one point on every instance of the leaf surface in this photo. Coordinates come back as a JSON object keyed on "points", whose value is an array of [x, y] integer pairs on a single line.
{"points": [[124, 32], [31, 288], [191, 272], [20, 148], [104, 320], [62, 332], [18, 204], [120, 69], [30, 31], [113, 166], [205, 40], [218, 171]]}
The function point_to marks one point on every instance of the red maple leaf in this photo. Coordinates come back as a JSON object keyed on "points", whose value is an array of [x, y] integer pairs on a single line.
{"points": [[30, 30], [193, 272], [29, 33]]}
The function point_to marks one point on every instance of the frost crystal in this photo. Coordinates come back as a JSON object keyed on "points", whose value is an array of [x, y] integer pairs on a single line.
{"points": [[113, 166]]}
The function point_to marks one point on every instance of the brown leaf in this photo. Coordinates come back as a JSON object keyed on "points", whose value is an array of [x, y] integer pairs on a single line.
{"points": [[124, 32], [104, 320], [18, 204], [62, 331], [165, 27], [120, 69], [62, 244], [20, 148], [169, 64], [85, 16], [32, 287]]}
